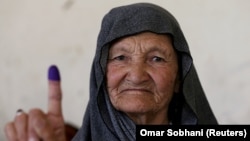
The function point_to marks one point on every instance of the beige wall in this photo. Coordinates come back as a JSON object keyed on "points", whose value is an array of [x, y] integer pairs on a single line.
{"points": [[37, 33]]}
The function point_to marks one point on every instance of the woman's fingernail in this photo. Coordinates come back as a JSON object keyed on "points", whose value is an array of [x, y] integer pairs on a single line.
{"points": [[53, 73], [19, 112]]}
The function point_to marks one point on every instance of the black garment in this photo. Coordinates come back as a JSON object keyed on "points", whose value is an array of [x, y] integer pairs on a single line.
{"points": [[190, 106]]}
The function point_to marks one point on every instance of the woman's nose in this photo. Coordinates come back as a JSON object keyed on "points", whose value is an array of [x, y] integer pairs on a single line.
{"points": [[137, 73]]}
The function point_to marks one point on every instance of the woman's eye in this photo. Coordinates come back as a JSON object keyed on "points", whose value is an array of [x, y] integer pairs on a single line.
{"points": [[119, 58], [157, 59]]}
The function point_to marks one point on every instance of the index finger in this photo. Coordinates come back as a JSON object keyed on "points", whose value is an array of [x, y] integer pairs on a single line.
{"points": [[55, 93]]}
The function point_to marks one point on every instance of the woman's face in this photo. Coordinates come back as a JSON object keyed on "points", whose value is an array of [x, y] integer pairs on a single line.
{"points": [[142, 73]]}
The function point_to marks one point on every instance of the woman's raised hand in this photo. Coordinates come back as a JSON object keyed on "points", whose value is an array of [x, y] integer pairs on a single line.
{"points": [[36, 124]]}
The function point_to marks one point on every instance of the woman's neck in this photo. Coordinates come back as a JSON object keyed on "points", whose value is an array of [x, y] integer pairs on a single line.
{"points": [[149, 118]]}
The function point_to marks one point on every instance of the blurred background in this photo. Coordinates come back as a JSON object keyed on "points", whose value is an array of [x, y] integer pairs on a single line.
{"points": [[35, 34]]}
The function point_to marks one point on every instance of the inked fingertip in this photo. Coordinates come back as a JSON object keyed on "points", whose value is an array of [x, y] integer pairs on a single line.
{"points": [[53, 73], [19, 112]]}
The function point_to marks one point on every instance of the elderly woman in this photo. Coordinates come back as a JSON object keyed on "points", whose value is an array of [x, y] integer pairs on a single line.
{"points": [[142, 73]]}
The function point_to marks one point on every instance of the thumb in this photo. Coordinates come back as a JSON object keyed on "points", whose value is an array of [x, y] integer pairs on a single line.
{"points": [[55, 93]]}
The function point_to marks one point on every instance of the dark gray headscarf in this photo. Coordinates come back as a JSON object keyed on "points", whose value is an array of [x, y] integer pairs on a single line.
{"points": [[190, 106]]}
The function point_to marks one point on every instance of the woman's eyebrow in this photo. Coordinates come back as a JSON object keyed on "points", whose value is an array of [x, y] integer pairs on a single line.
{"points": [[157, 49], [119, 48]]}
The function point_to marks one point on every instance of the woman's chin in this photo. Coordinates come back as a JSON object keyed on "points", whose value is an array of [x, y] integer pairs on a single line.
{"points": [[135, 106]]}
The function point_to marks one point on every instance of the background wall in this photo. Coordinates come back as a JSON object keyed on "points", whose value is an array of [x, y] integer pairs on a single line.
{"points": [[37, 33]]}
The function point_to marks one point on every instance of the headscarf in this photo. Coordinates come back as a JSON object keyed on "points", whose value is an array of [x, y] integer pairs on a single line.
{"points": [[189, 107]]}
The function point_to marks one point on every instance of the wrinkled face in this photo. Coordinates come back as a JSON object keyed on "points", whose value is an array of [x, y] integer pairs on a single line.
{"points": [[142, 73]]}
